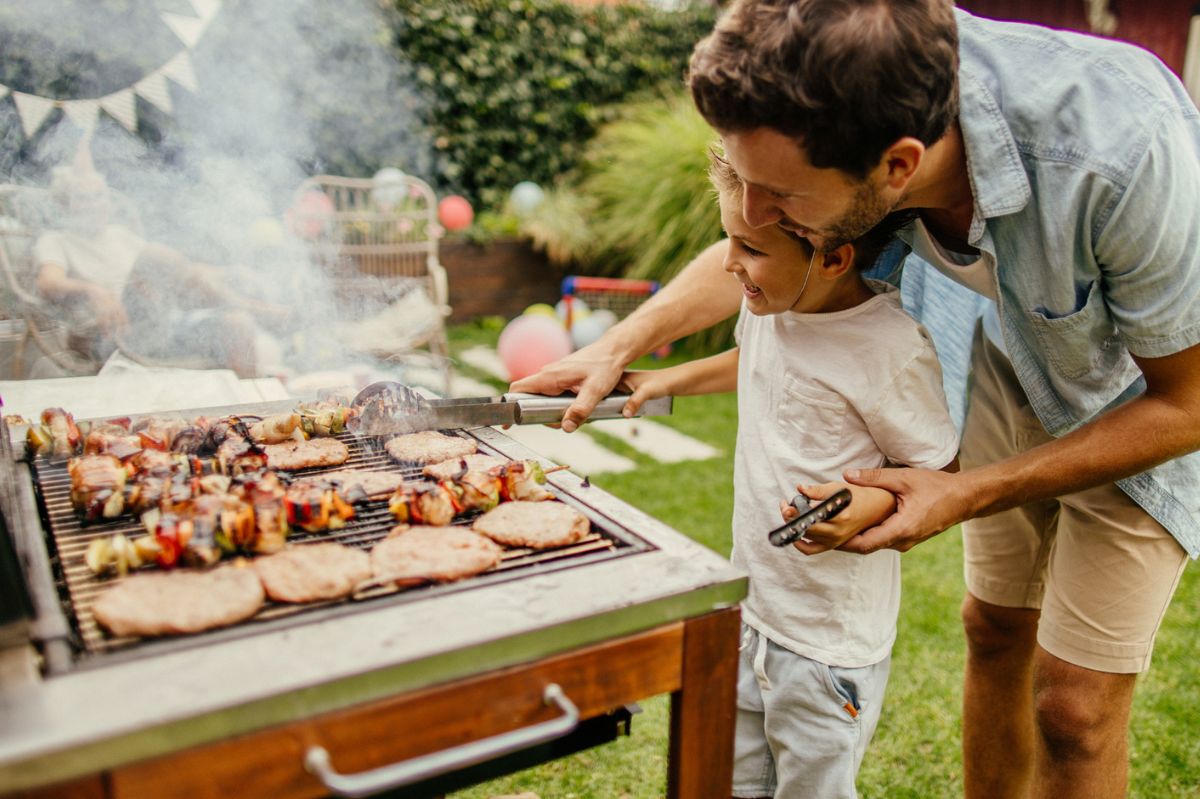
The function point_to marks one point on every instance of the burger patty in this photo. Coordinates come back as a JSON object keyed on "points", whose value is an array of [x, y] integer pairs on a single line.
{"points": [[429, 446], [435, 553], [373, 484], [475, 463], [538, 525], [306, 454], [313, 572], [168, 603]]}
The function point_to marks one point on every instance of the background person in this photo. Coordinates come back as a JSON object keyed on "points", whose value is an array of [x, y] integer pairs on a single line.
{"points": [[1071, 202], [817, 632], [116, 286]]}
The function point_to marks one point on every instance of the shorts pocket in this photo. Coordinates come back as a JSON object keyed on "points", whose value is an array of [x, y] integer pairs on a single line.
{"points": [[813, 417], [843, 691]]}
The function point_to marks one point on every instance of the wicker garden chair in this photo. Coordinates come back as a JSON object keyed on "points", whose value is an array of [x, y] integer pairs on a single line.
{"points": [[379, 245]]}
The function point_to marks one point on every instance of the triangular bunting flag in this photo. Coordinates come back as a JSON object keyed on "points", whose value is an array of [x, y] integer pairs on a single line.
{"points": [[188, 29], [153, 89], [122, 107], [179, 69], [82, 113], [32, 110], [206, 9]]}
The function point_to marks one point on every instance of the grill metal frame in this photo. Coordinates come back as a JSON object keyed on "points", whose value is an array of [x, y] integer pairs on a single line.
{"points": [[79, 721]]}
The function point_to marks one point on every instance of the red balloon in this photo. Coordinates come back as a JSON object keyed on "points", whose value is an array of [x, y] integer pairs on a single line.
{"points": [[530, 342], [455, 213]]}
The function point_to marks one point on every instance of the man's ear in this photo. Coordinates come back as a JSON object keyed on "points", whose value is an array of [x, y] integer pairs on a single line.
{"points": [[900, 161], [835, 263]]}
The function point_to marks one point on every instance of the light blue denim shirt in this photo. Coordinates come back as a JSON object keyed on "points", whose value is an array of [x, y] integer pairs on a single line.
{"points": [[1084, 162]]}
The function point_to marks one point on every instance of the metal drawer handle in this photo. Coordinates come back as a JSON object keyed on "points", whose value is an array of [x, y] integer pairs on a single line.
{"points": [[316, 759]]}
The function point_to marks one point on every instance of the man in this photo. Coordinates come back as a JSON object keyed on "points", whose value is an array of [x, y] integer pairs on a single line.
{"points": [[1059, 176]]}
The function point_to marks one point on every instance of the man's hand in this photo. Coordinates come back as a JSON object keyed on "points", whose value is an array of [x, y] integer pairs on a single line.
{"points": [[591, 373], [927, 502], [868, 506]]}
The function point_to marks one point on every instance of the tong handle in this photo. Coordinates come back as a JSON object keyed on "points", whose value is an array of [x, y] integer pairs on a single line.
{"points": [[823, 511], [537, 409]]}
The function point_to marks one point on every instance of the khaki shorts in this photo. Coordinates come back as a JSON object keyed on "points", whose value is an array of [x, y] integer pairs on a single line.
{"points": [[1101, 570]]}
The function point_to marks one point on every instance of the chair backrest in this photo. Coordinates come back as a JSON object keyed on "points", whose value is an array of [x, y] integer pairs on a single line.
{"points": [[380, 231]]}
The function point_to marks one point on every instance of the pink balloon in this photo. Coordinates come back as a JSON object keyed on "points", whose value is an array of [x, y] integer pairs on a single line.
{"points": [[454, 212], [312, 212], [530, 342]]}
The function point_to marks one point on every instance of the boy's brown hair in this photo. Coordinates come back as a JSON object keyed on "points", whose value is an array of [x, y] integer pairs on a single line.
{"points": [[847, 78], [867, 247]]}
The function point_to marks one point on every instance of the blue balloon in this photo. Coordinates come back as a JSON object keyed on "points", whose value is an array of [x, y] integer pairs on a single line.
{"points": [[526, 196]]}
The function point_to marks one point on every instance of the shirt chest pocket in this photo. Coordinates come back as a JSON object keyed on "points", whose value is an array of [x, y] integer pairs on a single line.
{"points": [[812, 418]]}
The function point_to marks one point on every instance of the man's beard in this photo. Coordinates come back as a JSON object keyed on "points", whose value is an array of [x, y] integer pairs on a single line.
{"points": [[867, 209]]}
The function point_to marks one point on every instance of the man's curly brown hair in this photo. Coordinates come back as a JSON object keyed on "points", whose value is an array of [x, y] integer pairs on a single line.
{"points": [[846, 78]]}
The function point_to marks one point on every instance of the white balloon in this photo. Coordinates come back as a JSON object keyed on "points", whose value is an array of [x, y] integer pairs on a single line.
{"points": [[585, 331], [526, 196], [389, 188], [604, 317], [579, 309]]}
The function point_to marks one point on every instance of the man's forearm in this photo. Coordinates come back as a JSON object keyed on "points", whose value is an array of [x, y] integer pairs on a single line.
{"points": [[1160, 425], [699, 297]]}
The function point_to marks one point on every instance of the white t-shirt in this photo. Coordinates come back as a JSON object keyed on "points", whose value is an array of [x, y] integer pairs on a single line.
{"points": [[817, 394], [105, 258]]}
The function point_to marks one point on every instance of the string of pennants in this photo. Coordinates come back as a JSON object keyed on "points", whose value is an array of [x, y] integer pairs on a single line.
{"points": [[121, 105]]}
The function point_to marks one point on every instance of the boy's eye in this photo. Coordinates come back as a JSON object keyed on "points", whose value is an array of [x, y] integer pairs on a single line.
{"points": [[751, 251]]}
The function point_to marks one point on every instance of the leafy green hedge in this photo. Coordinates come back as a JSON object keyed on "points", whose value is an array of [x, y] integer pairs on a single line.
{"points": [[516, 88]]}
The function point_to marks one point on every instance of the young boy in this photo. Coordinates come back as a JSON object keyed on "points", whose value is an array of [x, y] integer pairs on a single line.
{"points": [[830, 374]]}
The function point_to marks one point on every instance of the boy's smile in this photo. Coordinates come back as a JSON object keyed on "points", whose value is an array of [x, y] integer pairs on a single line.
{"points": [[771, 265]]}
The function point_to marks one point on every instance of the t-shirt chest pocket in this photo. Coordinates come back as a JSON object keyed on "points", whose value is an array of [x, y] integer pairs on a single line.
{"points": [[812, 418]]}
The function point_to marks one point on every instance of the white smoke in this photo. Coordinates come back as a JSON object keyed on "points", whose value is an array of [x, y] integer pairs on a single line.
{"points": [[285, 89]]}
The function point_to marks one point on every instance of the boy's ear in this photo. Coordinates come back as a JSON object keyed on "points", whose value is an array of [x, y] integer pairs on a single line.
{"points": [[836, 263], [900, 161]]}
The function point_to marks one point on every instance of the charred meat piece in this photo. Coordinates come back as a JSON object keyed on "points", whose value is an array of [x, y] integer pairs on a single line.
{"points": [[452, 469], [436, 505], [158, 433], [429, 446], [313, 572], [56, 437], [355, 486], [314, 507], [266, 494], [97, 486], [240, 456], [432, 553], [306, 454], [180, 602], [538, 525]]}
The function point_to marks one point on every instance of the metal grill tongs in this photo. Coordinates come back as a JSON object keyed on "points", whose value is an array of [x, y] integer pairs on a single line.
{"points": [[387, 408]]}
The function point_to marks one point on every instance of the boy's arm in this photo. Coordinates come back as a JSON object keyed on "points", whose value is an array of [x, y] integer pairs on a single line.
{"points": [[710, 375], [868, 507]]}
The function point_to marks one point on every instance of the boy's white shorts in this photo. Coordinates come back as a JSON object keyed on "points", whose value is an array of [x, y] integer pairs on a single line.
{"points": [[802, 726]]}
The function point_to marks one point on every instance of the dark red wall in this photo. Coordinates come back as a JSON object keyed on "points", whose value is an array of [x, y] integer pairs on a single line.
{"points": [[1160, 26]]}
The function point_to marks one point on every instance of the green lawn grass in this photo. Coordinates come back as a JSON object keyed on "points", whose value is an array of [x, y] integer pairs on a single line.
{"points": [[916, 749]]}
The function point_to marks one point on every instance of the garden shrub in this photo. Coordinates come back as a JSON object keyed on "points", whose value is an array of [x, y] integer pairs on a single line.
{"points": [[641, 204], [515, 88]]}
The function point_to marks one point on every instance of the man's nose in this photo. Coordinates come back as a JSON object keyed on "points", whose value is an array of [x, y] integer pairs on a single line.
{"points": [[758, 209]]}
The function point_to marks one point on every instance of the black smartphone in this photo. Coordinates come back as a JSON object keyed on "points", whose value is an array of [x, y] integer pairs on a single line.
{"points": [[825, 509]]}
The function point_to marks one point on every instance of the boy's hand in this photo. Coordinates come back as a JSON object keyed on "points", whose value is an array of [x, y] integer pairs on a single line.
{"points": [[643, 385], [868, 507]]}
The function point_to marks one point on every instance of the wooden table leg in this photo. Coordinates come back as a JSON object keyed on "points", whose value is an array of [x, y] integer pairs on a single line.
{"points": [[704, 709]]}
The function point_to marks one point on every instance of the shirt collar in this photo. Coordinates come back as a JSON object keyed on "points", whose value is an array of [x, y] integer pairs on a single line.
{"points": [[999, 184]]}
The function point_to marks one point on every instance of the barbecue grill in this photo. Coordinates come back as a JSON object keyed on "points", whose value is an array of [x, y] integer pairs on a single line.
{"points": [[391, 688]]}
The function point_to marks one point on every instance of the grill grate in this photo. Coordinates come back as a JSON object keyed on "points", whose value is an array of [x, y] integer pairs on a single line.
{"points": [[79, 588]]}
